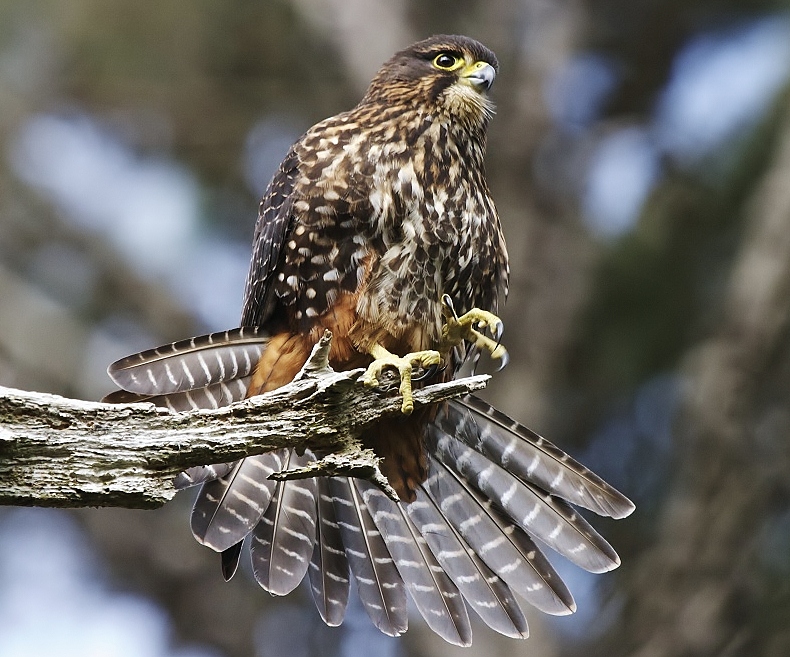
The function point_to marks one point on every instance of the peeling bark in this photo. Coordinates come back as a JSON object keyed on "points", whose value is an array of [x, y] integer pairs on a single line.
{"points": [[69, 453]]}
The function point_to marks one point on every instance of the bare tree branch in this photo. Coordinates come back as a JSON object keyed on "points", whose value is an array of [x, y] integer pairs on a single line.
{"points": [[64, 452]]}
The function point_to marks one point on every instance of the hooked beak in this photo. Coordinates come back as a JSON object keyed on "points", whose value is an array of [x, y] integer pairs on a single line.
{"points": [[479, 75]]}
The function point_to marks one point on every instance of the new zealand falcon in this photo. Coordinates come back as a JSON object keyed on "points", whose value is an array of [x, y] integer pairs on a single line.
{"points": [[378, 226]]}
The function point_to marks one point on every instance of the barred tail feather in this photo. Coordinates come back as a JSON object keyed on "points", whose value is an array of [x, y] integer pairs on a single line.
{"points": [[433, 592], [208, 372], [201, 474], [380, 586], [230, 560], [560, 600], [191, 364], [227, 509], [549, 519], [488, 595], [531, 457], [329, 574], [526, 574], [282, 542], [494, 491], [213, 396]]}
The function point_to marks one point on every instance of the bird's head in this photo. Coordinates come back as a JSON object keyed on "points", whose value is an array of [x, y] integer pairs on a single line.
{"points": [[447, 75]]}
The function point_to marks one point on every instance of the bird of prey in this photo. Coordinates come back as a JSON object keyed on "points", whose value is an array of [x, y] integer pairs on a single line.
{"points": [[379, 227]]}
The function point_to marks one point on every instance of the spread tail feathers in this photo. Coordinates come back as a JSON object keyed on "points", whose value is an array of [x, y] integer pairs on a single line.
{"points": [[495, 491]]}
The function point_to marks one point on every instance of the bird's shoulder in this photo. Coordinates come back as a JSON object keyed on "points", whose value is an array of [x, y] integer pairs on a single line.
{"points": [[334, 166]]}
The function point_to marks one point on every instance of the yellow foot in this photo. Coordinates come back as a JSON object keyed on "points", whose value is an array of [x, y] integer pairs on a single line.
{"points": [[404, 365], [457, 329]]}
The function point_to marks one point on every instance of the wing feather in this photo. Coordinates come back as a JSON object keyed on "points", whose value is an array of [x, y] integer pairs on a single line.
{"points": [[274, 222]]}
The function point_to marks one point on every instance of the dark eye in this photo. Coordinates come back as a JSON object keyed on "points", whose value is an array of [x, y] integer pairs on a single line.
{"points": [[447, 62]]}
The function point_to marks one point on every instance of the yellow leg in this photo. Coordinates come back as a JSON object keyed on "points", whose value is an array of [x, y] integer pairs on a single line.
{"points": [[404, 365], [457, 329]]}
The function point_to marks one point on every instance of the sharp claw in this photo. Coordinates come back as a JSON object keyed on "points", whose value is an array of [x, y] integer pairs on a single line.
{"points": [[503, 361], [428, 372], [499, 329], [475, 361], [447, 302]]}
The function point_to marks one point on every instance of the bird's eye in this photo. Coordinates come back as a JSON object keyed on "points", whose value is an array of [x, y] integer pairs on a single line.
{"points": [[447, 62]]}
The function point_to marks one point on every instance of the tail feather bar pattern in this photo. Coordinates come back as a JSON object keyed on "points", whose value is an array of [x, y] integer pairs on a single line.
{"points": [[209, 359], [495, 491]]}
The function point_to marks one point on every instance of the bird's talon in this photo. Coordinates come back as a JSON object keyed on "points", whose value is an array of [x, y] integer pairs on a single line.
{"points": [[457, 329], [404, 365]]}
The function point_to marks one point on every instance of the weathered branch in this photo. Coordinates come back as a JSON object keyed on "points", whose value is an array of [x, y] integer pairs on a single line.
{"points": [[63, 452]]}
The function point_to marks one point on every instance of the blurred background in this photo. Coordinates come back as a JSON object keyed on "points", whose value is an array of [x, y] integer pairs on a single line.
{"points": [[640, 160]]}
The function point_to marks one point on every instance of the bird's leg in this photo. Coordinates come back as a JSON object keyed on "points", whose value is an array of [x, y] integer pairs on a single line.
{"points": [[384, 359], [457, 329]]}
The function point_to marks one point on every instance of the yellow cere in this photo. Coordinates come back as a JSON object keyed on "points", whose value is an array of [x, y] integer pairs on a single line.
{"points": [[473, 68]]}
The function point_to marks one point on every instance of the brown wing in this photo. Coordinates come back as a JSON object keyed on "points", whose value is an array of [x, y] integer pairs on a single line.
{"points": [[273, 225], [311, 241]]}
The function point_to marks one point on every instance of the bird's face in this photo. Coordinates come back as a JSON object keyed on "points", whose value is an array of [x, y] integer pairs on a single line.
{"points": [[450, 75]]}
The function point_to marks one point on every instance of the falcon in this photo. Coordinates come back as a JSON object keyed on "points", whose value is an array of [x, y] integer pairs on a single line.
{"points": [[379, 227]]}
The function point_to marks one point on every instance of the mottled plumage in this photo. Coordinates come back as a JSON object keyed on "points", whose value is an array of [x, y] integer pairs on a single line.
{"points": [[372, 217], [386, 203]]}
